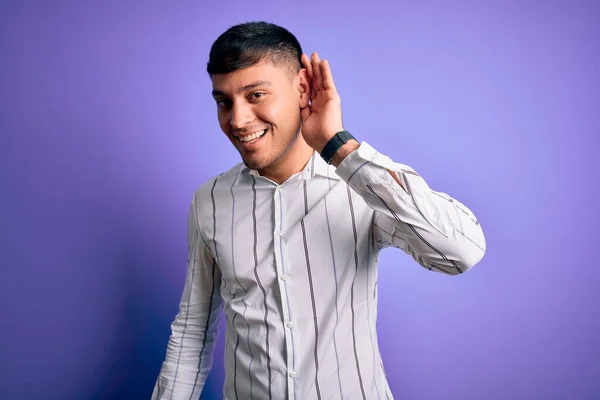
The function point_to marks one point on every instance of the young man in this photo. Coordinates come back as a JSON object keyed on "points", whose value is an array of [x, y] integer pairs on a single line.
{"points": [[286, 242]]}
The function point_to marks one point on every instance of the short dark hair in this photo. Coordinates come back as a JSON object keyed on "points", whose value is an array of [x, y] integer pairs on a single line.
{"points": [[246, 44]]}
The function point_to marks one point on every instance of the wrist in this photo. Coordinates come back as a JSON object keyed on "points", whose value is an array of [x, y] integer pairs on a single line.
{"points": [[338, 146], [324, 140], [347, 148]]}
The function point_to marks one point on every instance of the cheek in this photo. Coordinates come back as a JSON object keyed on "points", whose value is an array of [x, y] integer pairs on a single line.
{"points": [[267, 112], [223, 119], [278, 113]]}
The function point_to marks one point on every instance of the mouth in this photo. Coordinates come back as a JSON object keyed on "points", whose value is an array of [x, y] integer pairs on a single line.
{"points": [[249, 141]]}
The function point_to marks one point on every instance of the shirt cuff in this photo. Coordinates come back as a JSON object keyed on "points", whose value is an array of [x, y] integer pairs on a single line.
{"points": [[365, 165]]}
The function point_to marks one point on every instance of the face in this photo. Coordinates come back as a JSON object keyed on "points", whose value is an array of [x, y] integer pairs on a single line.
{"points": [[259, 111]]}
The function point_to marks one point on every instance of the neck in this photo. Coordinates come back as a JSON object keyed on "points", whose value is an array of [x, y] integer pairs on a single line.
{"points": [[292, 161]]}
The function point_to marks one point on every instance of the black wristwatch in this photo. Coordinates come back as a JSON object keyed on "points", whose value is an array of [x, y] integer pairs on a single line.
{"points": [[334, 144]]}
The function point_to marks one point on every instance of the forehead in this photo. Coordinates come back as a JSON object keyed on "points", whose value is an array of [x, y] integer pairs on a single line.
{"points": [[236, 81]]}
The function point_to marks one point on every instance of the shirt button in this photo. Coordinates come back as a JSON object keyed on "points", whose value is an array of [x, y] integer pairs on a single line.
{"points": [[293, 374], [284, 277], [290, 325], [278, 233]]}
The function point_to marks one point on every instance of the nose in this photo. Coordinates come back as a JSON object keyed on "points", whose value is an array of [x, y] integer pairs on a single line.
{"points": [[241, 115]]}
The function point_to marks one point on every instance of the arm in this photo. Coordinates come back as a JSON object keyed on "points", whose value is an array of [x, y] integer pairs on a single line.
{"points": [[189, 354], [439, 232]]}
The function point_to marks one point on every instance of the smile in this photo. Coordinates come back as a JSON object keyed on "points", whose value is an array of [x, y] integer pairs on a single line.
{"points": [[252, 137]]}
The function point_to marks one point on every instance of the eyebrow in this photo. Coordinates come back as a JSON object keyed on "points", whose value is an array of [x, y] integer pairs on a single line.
{"points": [[252, 85]]}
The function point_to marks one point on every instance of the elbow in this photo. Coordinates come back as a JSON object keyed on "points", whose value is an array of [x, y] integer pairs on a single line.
{"points": [[470, 252], [470, 259], [457, 255], [460, 263]]}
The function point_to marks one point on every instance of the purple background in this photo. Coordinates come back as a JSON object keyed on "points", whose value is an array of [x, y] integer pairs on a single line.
{"points": [[107, 127]]}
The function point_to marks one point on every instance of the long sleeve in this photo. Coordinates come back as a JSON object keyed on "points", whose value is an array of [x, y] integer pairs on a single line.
{"points": [[438, 231], [189, 354]]}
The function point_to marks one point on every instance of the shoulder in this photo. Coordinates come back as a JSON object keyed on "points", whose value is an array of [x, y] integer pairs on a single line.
{"points": [[213, 189]]}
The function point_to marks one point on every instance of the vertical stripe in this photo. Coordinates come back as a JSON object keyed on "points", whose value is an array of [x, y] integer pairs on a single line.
{"points": [[237, 342], [335, 280], [245, 294], [227, 352], [312, 294], [260, 283], [368, 293], [249, 350], [227, 344], [158, 389], [360, 380], [187, 312], [212, 292]]}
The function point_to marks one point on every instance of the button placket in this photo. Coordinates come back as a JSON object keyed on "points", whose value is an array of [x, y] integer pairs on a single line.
{"points": [[283, 280]]}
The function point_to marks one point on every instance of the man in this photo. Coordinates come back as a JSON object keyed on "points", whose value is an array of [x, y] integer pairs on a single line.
{"points": [[286, 242]]}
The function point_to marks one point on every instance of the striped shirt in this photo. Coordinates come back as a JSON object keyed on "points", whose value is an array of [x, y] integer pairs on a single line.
{"points": [[294, 269]]}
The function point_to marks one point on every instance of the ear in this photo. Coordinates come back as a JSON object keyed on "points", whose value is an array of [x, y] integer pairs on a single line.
{"points": [[303, 87]]}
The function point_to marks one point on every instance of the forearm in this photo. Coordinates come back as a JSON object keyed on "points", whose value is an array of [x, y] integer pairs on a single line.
{"points": [[348, 148], [189, 355], [437, 230]]}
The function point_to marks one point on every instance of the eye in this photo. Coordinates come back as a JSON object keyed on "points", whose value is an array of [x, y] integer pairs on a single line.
{"points": [[223, 103], [257, 95]]}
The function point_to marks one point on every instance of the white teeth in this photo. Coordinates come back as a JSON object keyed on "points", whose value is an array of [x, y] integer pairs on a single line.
{"points": [[253, 136]]}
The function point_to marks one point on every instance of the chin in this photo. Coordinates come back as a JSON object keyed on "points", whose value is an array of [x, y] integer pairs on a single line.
{"points": [[256, 163]]}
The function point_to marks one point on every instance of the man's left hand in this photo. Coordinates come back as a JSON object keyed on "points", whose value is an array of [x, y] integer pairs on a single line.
{"points": [[322, 118]]}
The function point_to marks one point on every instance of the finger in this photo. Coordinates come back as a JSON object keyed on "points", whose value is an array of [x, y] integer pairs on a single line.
{"points": [[328, 83], [317, 72], [307, 65], [311, 77], [318, 78]]}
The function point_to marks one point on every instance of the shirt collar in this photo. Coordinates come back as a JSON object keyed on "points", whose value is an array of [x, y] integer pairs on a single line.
{"points": [[315, 166]]}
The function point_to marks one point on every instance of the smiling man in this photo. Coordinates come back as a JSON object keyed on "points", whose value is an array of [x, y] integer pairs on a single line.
{"points": [[285, 243]]}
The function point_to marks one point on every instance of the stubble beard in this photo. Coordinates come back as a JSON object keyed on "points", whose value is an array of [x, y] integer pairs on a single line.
{"points": [[273, 158]]}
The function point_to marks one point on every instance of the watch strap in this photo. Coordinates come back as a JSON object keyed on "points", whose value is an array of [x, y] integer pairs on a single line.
{"points": [[334, 145]]}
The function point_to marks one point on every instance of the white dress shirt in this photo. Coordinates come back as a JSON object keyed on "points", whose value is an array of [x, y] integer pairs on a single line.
{"points": [[294, 267]]}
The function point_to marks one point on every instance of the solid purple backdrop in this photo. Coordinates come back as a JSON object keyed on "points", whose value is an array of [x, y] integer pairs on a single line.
{"points": [[107, 128]]}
